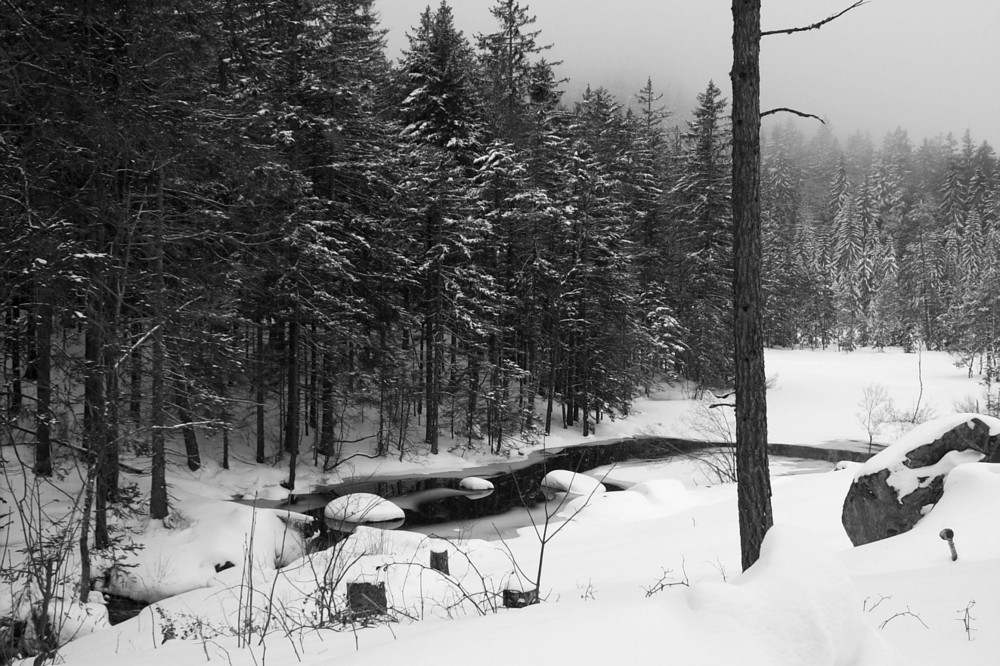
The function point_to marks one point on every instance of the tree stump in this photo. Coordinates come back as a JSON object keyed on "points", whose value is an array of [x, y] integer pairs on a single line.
{"points": [[366, 599], [439, 561], [519, 598]]}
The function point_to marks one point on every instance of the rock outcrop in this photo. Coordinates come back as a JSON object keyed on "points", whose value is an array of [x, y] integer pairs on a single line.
{"points": [[895, 488]]}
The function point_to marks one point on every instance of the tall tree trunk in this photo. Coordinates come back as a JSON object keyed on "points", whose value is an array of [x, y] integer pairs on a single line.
{"points": [[313, 377], [473, 398], [259, 390], [13, 315], [93, 381], [43, 382], [292, 415], [159, 507], [753, 478], [84, 542], [135, 378], [553, 359], [326, 400], [432, 325], [191, 449], [432, 386]]}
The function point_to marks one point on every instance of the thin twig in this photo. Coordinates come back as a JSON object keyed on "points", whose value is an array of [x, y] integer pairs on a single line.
{"points": [[905, 613], [814, 26]]}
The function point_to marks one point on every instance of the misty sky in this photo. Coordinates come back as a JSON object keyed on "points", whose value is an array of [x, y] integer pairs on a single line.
{"points": [[928, 66]]}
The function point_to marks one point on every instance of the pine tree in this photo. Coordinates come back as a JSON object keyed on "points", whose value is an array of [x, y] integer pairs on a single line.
{"points": [[441, 118], [702, 242]]}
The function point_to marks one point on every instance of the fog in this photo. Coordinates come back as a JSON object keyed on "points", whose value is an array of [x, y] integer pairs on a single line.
{"points": [[927, 66]]}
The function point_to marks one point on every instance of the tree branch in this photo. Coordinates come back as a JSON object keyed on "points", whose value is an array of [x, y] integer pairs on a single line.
{"points": [[814, 26], [783, 109]]}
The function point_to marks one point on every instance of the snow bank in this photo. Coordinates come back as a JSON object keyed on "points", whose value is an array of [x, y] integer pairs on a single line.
{"points": [[970, 491], [794, 607], [643, 501], [204, 536]]}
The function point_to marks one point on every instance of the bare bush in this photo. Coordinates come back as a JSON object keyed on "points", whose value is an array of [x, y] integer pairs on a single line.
{"points": [[875, 411]]}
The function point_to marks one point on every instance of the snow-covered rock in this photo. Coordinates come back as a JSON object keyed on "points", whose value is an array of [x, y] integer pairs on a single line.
{"points": [[349, 511], [475, 483], [570, 483], [899, 485]]}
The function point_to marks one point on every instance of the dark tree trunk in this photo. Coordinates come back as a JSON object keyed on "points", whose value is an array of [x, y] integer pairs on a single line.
{"points": [[326, 400], [135, 378], [471, 406], [753, 479], [158, 503], [292, 415], [432, 325], [93, 383], [84, 542], [110, 363], [260, 393], [14, 353], [43, 383], [313, 377], [191, 449], [550, 398]]}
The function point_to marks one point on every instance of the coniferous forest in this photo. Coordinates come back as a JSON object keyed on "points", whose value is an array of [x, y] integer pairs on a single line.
{"points": [[214, 209]]}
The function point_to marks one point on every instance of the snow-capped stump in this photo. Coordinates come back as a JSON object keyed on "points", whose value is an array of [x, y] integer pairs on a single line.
{"points": [[570, 483], [896, 487], [345, 513]]}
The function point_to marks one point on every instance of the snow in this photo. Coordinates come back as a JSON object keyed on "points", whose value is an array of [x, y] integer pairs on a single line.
{"points": [[363, 508], [649, 574], [571, 483], [905, 479], [925, 433], [203, 536], [475, 483]]}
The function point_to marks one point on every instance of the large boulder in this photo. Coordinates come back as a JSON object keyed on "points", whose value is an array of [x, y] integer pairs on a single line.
{"points": [[900, 484]]}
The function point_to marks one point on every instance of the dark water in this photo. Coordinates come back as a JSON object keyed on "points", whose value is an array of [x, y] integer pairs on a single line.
{"points": [[436, 498], [516, 483]]}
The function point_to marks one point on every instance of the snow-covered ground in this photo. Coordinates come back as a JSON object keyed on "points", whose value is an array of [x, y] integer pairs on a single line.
{"points": [[647, 574]]}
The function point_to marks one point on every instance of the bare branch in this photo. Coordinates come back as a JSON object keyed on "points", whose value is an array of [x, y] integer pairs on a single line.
{"points": [[814, 26], [783, 109]]}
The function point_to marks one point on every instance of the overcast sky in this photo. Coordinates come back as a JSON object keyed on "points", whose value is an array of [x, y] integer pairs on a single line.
{"points": [[928, 66]]}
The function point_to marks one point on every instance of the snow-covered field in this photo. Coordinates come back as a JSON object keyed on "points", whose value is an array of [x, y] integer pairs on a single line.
{"points": [[650, 574]]}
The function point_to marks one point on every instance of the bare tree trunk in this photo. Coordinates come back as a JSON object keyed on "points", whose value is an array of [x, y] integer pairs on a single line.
{"points": [[43, 383], [158, 503], [753, 479], [326, 405], [259, 387], [135, 379], [191, 449], [13, 315], [313, 377], [292, 415]]}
